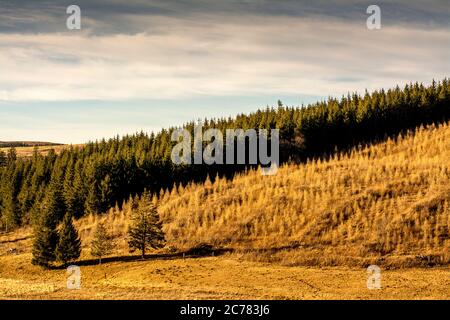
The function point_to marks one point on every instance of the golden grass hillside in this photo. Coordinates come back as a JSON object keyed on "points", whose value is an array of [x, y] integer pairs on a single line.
{"points": [[388, 200], [387, 203]]}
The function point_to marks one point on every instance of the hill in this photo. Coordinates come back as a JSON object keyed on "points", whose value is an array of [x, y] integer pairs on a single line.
{"points": [[387, 204], [100, 174], [289, 236]]}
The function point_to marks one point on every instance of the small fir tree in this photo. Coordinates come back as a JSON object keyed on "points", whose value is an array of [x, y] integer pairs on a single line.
{"points": [[146, 229], [45, 241], [69, 245], [103, 243]]}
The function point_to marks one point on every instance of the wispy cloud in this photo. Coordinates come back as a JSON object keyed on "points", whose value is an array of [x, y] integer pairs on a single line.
{"points": [[113, 16], [226, 55], [173, 51]]}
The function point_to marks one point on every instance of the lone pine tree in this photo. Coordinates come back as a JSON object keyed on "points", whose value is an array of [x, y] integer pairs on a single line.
{"points": [[69, 245], [146, 228], [103, 242]]}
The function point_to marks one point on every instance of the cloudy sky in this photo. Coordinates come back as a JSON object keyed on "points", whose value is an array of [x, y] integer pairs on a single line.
{"points": [[143, 65]]}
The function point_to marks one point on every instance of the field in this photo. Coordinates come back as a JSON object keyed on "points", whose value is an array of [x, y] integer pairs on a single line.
{"points": [[26, 152], [224, 277]]}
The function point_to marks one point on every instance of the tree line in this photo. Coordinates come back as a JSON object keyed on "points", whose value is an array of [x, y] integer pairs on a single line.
{"points": [[100, 174]]}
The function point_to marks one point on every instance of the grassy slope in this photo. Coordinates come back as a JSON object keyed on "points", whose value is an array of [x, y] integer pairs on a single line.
{"points": [[386, 204]]}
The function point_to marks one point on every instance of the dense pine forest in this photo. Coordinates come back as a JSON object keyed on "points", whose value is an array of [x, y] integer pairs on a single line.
{"points": [[98, 175]]}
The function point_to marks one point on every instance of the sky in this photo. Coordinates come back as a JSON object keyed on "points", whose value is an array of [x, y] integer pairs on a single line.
{"points": [[143, 65]]}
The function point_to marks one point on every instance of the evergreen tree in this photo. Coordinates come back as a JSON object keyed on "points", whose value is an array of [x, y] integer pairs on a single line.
{"points": [[146, 228], [3, 158], [54, 203], [69, 245], [10, 207], [45, 241], [94, 194], [68, 193], [10, 210], [12, 155], [102, 244], [79, 191]]}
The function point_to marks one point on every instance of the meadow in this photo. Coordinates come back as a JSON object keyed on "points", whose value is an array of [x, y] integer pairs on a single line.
{"points": [[230, 276]]}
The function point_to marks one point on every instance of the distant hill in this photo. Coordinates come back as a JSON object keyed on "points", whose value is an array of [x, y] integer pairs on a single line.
{"points": [[6, 144], [43, 149]]}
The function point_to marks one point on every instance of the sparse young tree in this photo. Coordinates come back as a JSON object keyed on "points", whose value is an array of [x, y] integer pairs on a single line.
{"points": [[103, 243], [146, 229]]}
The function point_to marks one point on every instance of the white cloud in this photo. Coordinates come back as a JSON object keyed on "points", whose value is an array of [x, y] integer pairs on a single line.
{"points": [[219, 55]]}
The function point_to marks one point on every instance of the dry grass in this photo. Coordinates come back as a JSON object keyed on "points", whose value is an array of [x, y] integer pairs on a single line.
{"points": [[225, 277], [385, 203]]}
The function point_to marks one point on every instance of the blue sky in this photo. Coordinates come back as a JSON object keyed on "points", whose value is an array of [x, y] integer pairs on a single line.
{"points": [[80, 121], [143, 65]]}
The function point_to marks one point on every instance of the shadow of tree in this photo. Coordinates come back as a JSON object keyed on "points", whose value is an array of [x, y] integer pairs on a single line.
{"points": [[190, 254], [15, 240], [200, 251]]}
